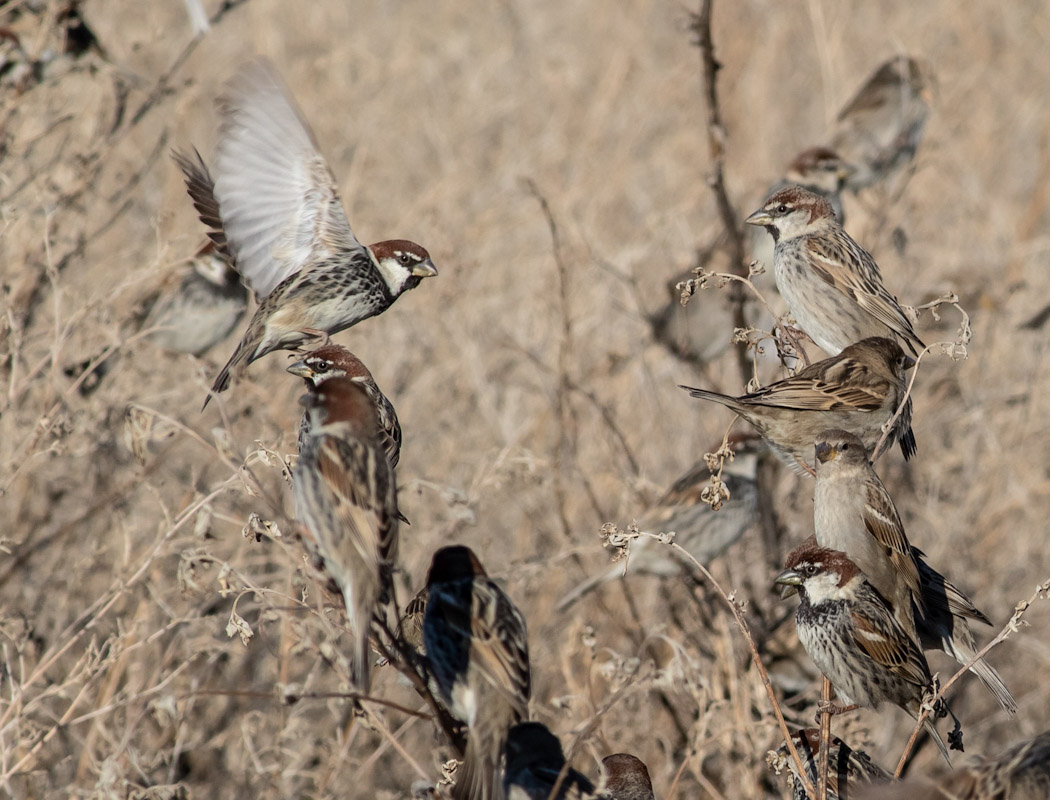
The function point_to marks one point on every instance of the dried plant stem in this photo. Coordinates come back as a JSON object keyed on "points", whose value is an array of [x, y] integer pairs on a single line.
{"points": [[1042, 592], [755, 657], [825, 738]]}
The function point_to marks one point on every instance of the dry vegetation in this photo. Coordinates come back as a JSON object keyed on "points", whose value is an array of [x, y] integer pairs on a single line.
{"points": [[535, 405]]}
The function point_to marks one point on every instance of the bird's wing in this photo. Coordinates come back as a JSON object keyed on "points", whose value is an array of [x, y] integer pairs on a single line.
{"points": [[500, 643], [880, 636], [280, 207], [884, 524]]}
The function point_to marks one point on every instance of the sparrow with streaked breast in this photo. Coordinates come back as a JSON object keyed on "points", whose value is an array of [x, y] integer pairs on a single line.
{"points": [[853, 512], [880, 128], [477, 649], [858, 390], [832, 286], [534, 764], [334, 361], [849, 632], [346, 499], [626, 778], [274, 205]]}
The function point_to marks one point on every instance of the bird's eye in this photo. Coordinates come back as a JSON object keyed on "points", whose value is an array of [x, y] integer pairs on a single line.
{"points": [[782, 208], [404, 258], [324, 366], [844, 447]]}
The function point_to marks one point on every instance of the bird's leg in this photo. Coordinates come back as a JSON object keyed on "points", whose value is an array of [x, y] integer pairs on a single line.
{"points": [[317, 334], [833, 709]]}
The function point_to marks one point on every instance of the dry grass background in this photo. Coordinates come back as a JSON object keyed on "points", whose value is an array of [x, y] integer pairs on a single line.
{"points": [[120, 569]]}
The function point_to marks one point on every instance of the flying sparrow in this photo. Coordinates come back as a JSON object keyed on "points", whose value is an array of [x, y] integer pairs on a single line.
{"points": [[849, 631], [535, 761], [626, 778], [832, 286], [853, 512], [880, 128], [346, 498], [699, 529], [848, 769], [858, 390], [700, 331], [1021, 772], [275, 206], [333, 361], [478, 651], [202, 309]]}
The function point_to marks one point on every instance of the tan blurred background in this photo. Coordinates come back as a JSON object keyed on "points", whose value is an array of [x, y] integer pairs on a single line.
{"points": [[535, 404]]}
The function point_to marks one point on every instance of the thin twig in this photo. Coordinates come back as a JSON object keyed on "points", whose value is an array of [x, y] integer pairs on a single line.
{"points": [[716, 139], [1041, 592], [825, 739]]}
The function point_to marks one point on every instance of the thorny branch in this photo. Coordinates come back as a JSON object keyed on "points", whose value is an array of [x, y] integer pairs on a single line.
{"points": [[1042, 592]]}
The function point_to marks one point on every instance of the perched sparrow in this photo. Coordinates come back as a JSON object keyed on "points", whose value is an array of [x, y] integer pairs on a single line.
{"points": [[858, 390], [202, 309], [333, 361], [698, 528], [534, 767], [832, 286], [816, 169], [701, 331], [848, 769], [626, 778], [274, 204], [880, 129], [849, 631], [1022, 772], [346, 498], [853, 512], [478, 650]]}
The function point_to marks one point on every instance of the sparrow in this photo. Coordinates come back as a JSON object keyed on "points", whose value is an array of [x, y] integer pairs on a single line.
{"points": [[701, 530], [626, 778], [1021, 772], [333, 361], [848, 769], [534, 764], [700, 331], [201, 310], [853, 512], [849, 632], [880, 128], [857, 390], [832, 286], [274, 206], [346, 499], [478, 652]]}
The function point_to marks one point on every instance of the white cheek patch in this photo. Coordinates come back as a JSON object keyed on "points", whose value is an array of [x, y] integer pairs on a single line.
{"points": [[394, 274], [823, 587]]}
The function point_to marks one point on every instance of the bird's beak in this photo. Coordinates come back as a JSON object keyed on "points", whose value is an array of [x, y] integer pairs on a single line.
{"points": [[825, 452], [299, 369], [789, 581], [425, 269], [909, 362], [845, 171], [760, 217]]}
